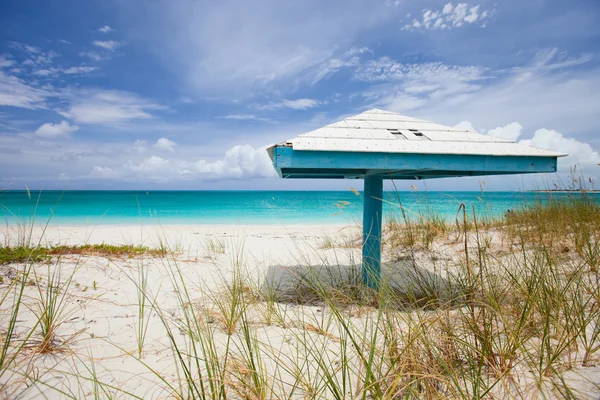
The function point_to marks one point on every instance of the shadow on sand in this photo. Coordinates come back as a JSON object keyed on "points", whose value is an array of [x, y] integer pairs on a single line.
{"points": [[310, 284]]}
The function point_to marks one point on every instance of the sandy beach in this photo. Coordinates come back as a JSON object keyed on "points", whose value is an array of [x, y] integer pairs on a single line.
{"points": [[101, 312], [124, 330]]}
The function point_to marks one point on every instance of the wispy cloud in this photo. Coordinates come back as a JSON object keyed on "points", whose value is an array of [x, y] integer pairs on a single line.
{"points": [[110, 45], [105, 29], [213, 49], [79, 70], [348, 59], [92, 55], [450, 16], [297, 104], [17, 93], [246, 117], [386, 69], [6, 62], [108, 107], [410, 86]]}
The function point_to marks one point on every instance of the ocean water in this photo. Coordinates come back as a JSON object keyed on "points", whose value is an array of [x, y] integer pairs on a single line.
{"points": [[242, 207]]}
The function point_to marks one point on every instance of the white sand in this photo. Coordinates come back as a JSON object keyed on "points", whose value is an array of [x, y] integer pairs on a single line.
{"points": [[102, 310], [101, 314]]}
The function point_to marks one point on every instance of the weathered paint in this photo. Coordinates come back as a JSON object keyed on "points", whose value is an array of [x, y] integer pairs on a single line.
{"points": [[373, 131], [410, 144], [372, 218], [292, 163]]}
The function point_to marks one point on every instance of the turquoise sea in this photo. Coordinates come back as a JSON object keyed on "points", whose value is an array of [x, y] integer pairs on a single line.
{"points": [[241, 207]]}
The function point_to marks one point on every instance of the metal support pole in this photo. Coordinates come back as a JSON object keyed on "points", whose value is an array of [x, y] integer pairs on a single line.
{"points": [[371, 251]]}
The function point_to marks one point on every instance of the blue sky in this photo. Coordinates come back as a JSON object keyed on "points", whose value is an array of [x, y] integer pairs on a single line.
{"points": [[187, 94]]}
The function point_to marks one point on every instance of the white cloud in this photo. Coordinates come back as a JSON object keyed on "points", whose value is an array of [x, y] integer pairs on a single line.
{"points": [[386, 69], [92, 55], [51, 131], [150, 164], [105, 29], [103, 173], [46, 72], [108, 107], [140, 146], [6, 62], [246, 117], [240, 162], [511, 131], [298, 104], [580, 153], [466, 125], [110, 45], [450, 16], [79, 70], [403, 87], [165, 144], [16, 93]]}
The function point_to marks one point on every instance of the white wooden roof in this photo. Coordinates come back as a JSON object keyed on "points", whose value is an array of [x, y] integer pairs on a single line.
{"points": [[389, 132]]}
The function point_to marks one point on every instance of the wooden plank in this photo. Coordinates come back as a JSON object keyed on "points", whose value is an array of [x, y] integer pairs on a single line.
{"points": [[457, 165]]}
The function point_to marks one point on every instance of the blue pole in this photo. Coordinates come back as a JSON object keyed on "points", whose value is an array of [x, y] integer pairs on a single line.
{"points": [[371, 251]]}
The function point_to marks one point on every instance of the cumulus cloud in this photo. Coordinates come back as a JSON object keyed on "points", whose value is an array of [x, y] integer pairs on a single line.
{"points": [[240, 162], [165, 144], [466, 125], [103, 172], [110, 45], [108, 107], [52, 131], [450, 16], [580, 153], [511, 131], [105, 29], [149, 164]]}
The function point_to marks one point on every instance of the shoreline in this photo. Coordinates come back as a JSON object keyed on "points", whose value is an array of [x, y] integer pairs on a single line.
{"points": [[188, 238]]}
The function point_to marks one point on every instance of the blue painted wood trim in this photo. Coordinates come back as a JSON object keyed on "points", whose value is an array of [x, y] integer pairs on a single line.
{"points": [[407, 164], [372, 218]]}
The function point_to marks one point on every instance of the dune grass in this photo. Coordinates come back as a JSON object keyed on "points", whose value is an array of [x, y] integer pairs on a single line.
{"points": [[487, 309], [13, 254]]}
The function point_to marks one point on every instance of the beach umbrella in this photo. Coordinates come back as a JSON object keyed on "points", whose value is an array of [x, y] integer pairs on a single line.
{"points": [[378, 145]]}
